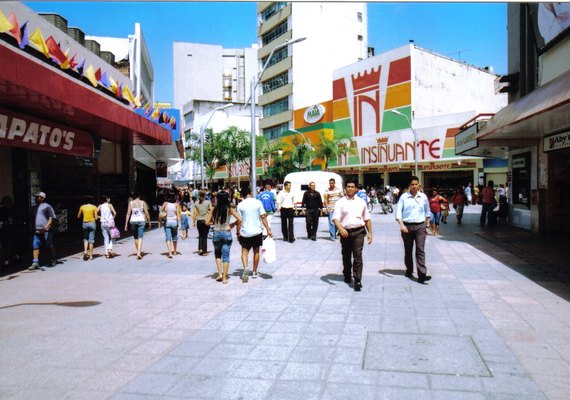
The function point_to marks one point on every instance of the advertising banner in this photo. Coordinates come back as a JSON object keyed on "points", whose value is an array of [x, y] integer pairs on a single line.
{"points": [[19, 130]]}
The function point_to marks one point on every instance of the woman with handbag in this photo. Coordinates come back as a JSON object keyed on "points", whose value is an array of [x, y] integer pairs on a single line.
{"points": [[170, 213], [137, 216], [201, 209], [219, 218], [459, 201], [107, 216]]}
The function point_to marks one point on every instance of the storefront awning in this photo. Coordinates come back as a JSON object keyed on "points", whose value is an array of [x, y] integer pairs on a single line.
{"points": [[544, 111], [29, 86]]}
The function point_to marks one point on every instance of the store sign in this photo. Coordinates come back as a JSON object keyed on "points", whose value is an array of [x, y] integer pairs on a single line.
{"points": [[467, 139], [314, 114], [519, 163], [19, 130], [557, 142]]}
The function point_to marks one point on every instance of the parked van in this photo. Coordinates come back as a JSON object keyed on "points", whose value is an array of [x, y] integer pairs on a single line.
{"points": [[300, 183]]}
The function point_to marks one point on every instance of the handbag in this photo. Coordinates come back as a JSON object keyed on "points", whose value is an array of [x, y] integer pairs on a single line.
{"points": [[268, 250], [115, 233], [162, 215]]}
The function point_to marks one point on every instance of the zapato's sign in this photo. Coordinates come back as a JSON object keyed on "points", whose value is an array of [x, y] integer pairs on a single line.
{"points": [[33, 133]]}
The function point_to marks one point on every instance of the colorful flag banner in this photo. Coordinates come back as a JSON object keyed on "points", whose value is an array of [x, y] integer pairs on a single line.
{"points": [[89, 73], [24, 35], [15, 31], [127, 94], [56, 52], [38, 40], [105, 80], [5, 24]]}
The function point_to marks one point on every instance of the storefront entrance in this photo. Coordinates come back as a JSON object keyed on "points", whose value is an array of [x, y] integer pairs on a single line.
{"points": [[447, 181], [559, 192]]}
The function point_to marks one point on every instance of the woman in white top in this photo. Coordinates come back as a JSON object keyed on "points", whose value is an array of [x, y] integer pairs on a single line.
{"points": [[173, 215], [107, 216], [138, 217]]}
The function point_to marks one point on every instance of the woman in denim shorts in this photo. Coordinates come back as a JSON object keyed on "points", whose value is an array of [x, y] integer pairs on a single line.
{"points": [[219, 218], [138, 217], [173, 215]]}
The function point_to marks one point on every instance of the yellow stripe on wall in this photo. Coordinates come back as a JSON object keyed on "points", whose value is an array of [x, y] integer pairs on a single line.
{"points": [[398, 95], [340, 109]]}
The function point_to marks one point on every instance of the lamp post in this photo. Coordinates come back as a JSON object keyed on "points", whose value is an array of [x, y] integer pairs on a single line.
{"points": [[254, 82], [415, 139], [202, 129]]}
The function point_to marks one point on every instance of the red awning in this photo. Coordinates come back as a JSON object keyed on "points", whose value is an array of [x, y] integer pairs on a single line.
{"points": [[29, 86]]}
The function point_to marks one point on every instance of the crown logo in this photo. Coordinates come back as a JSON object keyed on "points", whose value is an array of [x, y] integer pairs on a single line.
{"points": [[382, 140], [366, 81]]}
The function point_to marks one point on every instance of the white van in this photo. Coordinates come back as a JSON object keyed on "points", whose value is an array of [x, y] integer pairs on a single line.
{"points": [[300, 183]]}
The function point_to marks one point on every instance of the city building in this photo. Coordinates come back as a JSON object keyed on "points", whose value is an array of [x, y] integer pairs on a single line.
{"points": [[533, 131], [299, 75], [68, 119], [211, 73], [408, 98]]}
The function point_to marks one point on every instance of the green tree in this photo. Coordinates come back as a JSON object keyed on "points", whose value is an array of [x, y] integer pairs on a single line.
{"points": [[330, 149], [232, 145]]}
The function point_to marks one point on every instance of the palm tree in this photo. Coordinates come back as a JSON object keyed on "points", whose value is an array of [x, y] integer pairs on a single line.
{"points": [[330, 149]]}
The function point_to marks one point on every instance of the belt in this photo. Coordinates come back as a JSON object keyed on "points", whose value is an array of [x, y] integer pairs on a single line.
{"points": [[354, 229], [414, 223]]}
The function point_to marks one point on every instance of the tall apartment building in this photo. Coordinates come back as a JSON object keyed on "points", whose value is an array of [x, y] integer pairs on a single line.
{"points": [[299, 75], [212, 73]]}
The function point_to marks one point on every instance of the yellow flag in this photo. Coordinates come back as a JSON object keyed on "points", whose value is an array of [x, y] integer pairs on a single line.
{"points": [[65, 64], [38, 40], [127, 94], [5, 24], [90, 74], [138, 101]]}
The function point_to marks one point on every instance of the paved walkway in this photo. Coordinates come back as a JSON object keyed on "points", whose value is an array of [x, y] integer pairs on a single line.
{"points": [[490, 325]]}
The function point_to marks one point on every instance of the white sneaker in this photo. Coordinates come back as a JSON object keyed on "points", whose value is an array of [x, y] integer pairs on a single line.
{"points": [[254, 274]]}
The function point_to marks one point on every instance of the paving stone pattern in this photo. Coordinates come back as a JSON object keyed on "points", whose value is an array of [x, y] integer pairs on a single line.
{"points": [[162, 328]]}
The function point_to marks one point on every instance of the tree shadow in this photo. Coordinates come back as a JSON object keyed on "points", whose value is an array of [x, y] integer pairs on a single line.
{"points": [[57, 303]]}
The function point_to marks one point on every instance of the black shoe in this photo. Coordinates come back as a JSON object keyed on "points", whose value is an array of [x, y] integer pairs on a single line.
{"points": [[347, 279], [424, 278], [291, 240], [409, 275], [357, 286], [313, 238]]}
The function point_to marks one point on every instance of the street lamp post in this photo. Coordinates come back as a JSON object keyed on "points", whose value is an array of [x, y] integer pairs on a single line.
{"points": [[254, 82], [202, 129], [415, 139]]}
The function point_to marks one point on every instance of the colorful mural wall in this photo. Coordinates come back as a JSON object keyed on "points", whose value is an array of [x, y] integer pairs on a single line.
{"points": [[364, 95]]}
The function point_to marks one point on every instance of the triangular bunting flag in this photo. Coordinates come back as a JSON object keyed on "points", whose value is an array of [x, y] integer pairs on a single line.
{"points": [[24, 35], [38, 40], [90, 74], [55, 51], [5, 24], [127, 94]]}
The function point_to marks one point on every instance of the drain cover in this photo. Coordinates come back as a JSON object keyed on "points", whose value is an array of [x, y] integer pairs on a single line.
{"points": [[428, 354]]}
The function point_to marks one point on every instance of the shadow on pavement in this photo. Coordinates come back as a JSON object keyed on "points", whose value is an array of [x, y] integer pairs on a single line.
{"points": [[332, 277], [57, 303], [540, 258], [391, 272]]}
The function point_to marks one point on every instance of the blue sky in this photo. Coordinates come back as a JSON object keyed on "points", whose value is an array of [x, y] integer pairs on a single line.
{"points": [[473, 32]]}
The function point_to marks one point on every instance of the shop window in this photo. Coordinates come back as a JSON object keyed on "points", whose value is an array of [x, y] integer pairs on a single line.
{"points": [[521, 180]]}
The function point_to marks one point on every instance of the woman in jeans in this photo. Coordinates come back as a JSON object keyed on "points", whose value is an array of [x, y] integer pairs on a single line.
{"points": [[435, 207], [89, 213], [219, 218], [137, 216], [201, 209], [171, 223], [107, 216]]}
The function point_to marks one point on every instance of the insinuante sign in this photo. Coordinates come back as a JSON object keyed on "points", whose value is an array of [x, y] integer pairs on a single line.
{"points": [[33, 133]]}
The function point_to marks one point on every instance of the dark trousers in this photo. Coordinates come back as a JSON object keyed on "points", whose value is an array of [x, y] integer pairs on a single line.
{"points": [[312, 220], [352, 253], [203, 230], [416, 234], [287, 217], [487, 208]]}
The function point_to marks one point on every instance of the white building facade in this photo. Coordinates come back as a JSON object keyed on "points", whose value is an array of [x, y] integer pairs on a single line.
{"points": [[299, 75], [212, 73]]}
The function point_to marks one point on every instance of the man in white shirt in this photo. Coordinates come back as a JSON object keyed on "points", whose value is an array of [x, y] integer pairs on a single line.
{"points": [[351, 216], [413, 213], [249, 235], [286, 206]]}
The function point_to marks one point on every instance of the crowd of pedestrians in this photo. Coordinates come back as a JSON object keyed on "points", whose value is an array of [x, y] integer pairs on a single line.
{"points": [[215, 214]]}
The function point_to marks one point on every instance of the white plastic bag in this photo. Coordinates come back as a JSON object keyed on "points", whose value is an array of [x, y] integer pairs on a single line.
{"points": [[268, 250]]}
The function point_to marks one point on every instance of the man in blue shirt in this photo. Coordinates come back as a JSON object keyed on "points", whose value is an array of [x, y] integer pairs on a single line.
{"points": [[412, 213], [268, 199]]}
